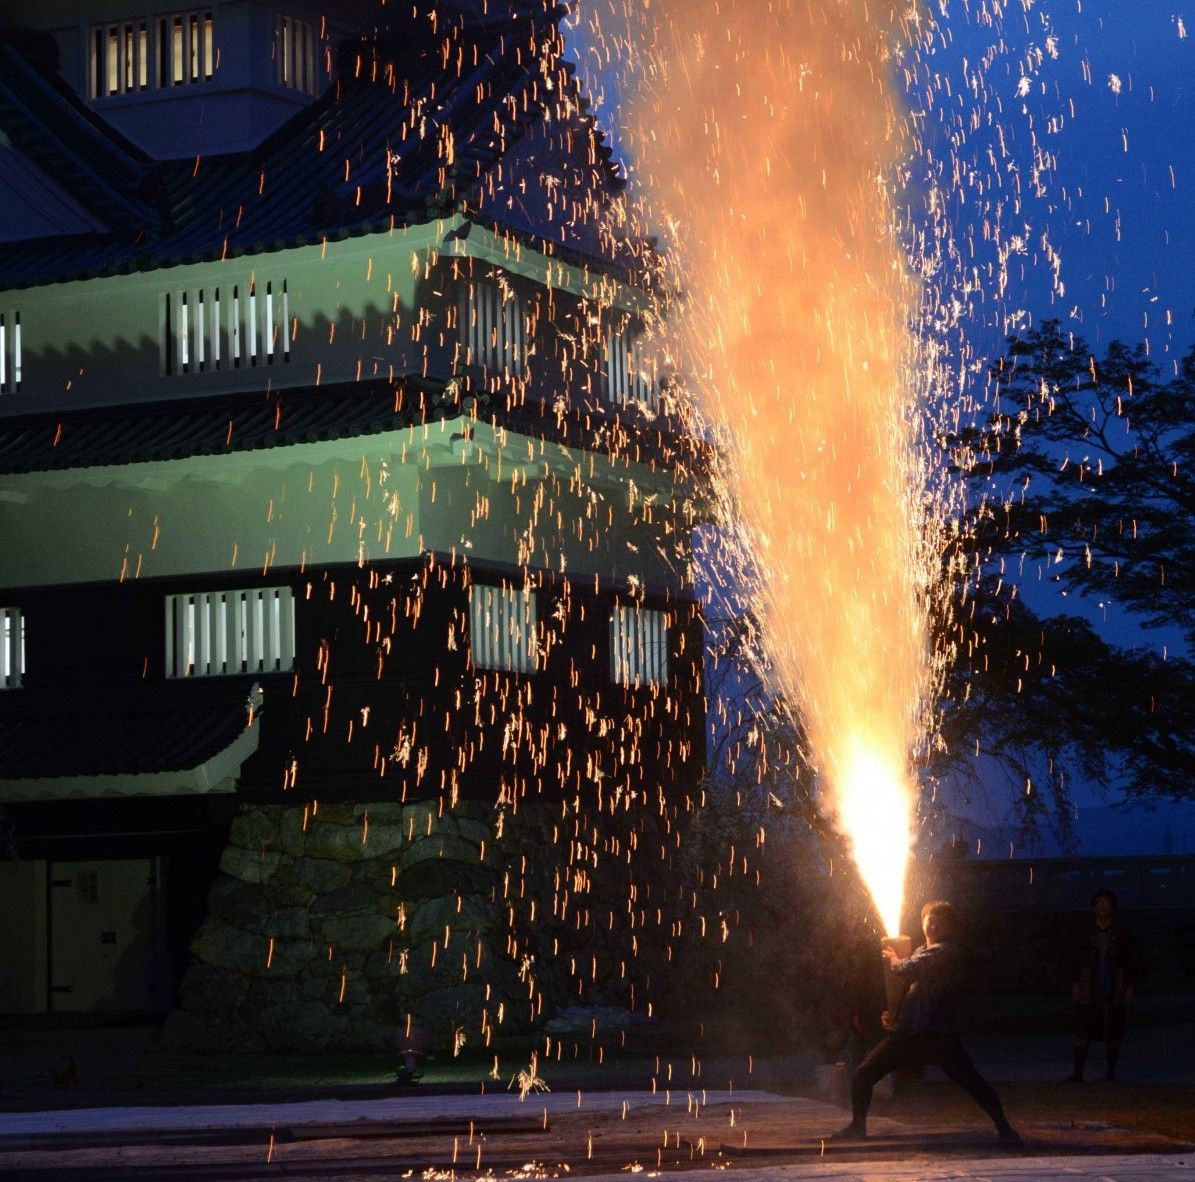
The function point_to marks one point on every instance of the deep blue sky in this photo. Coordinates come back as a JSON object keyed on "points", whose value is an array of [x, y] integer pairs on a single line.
{"points": [[1124, 264], [1120, 202]]}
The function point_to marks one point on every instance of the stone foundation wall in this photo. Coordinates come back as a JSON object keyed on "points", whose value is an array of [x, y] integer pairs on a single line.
{"points": [[328, 925]]}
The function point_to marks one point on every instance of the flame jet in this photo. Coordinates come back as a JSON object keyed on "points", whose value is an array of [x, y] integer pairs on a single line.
{"points": [[769, 136]]}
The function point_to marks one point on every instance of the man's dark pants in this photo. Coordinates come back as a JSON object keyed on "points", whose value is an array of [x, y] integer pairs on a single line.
{"points": [[899, 1049]]}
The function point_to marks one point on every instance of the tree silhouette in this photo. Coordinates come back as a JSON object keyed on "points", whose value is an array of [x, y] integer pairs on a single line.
{"points": [[1084, 465]]}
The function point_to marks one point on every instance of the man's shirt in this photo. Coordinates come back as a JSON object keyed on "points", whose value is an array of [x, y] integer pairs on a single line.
{"points": [[934, 973]]}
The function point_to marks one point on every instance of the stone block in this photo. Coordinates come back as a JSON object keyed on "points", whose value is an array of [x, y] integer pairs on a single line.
{"points": [[416, 816], [382, 840], [338, 843], [287, 923], [352, 897], [254, 828], [287, 891], [271, 991], [220, 944], [290, 832], [321, 874], [326, 990], [432, 917], [249, 865], [450, 849], [333, 813], [384, 963], [436, 877], [475, 831], [422, 977], [446, 1010], [361, 932]]}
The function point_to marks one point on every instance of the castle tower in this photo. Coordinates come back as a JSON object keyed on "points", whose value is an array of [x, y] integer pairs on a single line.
{"points": [[348, 641]]}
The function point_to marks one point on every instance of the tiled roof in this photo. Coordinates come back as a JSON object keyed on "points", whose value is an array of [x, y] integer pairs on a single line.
{"points": [[36, 744], [220, 425], [45, 120], [210, 426], [412, 129]]}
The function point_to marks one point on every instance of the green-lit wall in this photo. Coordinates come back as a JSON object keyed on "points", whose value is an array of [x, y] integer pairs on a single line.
{"points": [[496, 498]]}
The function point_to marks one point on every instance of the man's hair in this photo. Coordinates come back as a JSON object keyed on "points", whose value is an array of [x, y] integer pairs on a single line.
{"points": [[1104, 893], [944, 916]]}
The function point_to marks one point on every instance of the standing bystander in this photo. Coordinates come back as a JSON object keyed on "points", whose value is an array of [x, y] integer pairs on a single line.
{"points": [[1105, 972]]}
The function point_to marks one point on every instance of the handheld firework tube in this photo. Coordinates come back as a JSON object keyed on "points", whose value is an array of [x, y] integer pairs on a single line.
{"points": [[895, 987]]}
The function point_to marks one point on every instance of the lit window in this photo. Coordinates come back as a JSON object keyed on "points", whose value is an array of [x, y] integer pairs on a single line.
{"points": [[295, 54], [186, 48], [493, 326], [12, 647], [630, 378], [638, 646], [218, 328], [119, 58], [10, 352], [209, 633], [502, 627]]}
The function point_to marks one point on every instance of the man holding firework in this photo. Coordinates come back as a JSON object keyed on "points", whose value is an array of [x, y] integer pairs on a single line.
{"points": [[924, 1029]]}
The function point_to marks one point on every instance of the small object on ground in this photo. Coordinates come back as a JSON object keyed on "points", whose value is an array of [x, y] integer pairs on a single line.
{"points": [[411, 1045]]}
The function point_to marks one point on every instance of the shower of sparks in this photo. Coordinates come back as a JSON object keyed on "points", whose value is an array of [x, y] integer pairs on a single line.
{"points": [[770, 136]]}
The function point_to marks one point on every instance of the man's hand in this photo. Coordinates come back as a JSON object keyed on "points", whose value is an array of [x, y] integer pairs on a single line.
{"points": [[886, 1019], [890, 957]]}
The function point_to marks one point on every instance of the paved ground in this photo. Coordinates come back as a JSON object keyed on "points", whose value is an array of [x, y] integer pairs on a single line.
{"points": [[134, 1116], [601, 1136]]}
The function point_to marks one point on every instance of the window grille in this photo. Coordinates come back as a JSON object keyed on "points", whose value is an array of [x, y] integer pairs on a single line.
{"points": [[209, 633], [172, 50], [502, 628], [638, 646], [225, 327], [12, 647], [10, 352], [629, 378], [120, 58], [296, 54], [186, 48], [493, 326]]}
